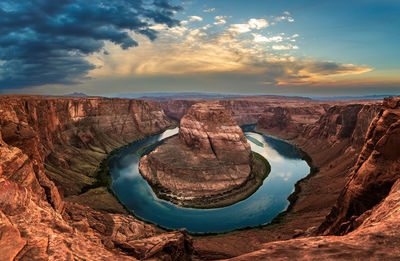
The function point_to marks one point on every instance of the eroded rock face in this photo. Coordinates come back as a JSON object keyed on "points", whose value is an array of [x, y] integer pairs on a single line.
{"points": [[374, 174], [35, 221], [289, 122], [72, 136], [246, 110], [210, 129], [211, 156]]}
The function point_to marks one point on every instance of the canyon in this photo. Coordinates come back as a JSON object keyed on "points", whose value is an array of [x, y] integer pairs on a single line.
{"points": [[53, 204]]}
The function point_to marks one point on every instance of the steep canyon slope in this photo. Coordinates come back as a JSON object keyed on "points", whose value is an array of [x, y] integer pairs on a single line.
{"points": [[333, 142], [366, 213], [39, 140]]}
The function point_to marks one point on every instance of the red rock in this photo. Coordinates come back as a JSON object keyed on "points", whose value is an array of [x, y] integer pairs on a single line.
{"points": [[35, 222], [373, 175], [210, 157]]}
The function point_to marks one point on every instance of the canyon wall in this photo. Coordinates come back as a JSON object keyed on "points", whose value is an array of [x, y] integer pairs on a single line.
{"points": [[52, 146], [245, 110], [366, 214], [374, 174], [289, 122], [332, 143], [71, 136], [42, 136]]}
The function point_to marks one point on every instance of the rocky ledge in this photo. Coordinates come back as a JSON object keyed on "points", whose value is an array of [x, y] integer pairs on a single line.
{"points": [[209, 164]]}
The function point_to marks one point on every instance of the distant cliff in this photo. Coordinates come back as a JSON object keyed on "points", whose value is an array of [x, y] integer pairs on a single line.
{"points": [[245, 110]]}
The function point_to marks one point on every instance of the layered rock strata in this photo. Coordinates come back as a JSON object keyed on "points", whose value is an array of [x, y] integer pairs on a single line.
{"points": [[366, 214], [246, 110], [71, 136], [374, 174], [210, 157], [333, 142], [36, 223]]}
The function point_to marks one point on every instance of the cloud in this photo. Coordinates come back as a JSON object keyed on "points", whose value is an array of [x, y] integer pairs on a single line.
{"points": [[209, 10], [258, 23], [46, 42], [198, 54], [258, 38], [195, 18], [220, 20], [250, 25], [286, 16], [284, 47]]}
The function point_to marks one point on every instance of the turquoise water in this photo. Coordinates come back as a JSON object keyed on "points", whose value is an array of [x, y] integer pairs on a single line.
{"points": [[260, 208]]}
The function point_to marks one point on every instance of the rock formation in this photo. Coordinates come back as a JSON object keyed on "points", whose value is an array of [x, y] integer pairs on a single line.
{"points": [[73, 135], [289, 122], [51, 145], [333, 147], [246, 110], [374, 173], [35, 221], [210, 157], [366, 213]]}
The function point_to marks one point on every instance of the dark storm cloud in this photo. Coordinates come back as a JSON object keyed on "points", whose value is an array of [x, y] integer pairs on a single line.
{"points": [[45, 41]]}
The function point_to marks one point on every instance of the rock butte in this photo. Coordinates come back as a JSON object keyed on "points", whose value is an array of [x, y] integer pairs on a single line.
{"points": [[210, 157]]}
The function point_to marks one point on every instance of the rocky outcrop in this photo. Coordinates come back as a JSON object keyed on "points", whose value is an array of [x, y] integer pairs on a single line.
{"points": [[210, 157], [35, 222], [343, 122], [374, 173], [210, 129]]}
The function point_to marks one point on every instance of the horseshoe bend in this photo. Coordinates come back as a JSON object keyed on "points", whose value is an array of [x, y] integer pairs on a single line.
{"points": [[209, 163], [56, 199]]}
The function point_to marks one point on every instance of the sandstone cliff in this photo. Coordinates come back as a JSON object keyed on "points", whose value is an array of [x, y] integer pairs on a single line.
{"points": [[210, 157], [71, 136], [333, 143], [35, 221], [289, 122], [366, 213], [374, 173], [246, 110]]}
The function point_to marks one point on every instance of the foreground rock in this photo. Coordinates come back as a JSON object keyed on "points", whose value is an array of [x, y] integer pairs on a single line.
{"points": [[210, 158]]}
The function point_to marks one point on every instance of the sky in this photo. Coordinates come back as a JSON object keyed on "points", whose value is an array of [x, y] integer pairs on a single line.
{"points": [[109, 47]]}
